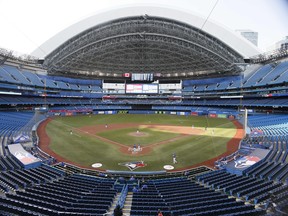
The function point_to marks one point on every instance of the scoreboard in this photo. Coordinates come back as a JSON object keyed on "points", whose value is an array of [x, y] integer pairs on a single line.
{"points": [[146, 77], [141, 88], [142, 77]]}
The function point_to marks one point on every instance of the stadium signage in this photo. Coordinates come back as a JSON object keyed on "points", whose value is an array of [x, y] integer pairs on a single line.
{"points": [[122, 111], [212, 115], [232, 96], [10, 93]]}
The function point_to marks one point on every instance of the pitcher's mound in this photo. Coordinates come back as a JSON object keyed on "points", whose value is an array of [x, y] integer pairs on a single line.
{"points": [[139, 134]]}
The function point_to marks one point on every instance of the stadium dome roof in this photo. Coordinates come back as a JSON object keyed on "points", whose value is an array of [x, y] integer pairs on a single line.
{"points": [[145, 39]]}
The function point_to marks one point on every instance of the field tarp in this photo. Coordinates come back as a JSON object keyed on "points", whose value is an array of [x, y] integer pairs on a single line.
{"points": [[27, 159]]}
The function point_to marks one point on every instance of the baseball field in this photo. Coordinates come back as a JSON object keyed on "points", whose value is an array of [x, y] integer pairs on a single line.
{"points": [[113, 140]]}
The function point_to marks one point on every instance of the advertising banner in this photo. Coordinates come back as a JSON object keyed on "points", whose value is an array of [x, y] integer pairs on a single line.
{"points": [[212, 115], [222, 116]]}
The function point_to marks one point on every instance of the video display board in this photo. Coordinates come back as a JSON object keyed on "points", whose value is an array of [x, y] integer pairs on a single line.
{"points": [[141, 88], [142, 77]]}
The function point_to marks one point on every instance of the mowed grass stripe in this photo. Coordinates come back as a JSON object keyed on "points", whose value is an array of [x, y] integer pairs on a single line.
{"points": [[126, 139], [87, 120], [190, 150]]}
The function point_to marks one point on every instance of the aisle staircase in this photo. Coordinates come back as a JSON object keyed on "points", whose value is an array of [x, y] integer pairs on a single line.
{"points": [[128, 204], [113, 206]]}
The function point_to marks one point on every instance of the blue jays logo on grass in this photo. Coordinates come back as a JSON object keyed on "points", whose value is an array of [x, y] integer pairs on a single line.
{"points": [[246, 161], [133, 165]]}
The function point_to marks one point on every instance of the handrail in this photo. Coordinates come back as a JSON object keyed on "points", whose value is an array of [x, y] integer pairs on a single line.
{"points": [[123, 196]]}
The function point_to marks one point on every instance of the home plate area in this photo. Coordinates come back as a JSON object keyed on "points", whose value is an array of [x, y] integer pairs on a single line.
{"points": [[135, 149]]}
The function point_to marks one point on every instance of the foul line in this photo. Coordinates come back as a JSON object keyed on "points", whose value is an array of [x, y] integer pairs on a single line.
{"points": [[125, 146], [94, 135]]}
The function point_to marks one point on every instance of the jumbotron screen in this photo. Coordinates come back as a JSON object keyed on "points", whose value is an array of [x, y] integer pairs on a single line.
{"points": [[141, 88], [142, 77]]}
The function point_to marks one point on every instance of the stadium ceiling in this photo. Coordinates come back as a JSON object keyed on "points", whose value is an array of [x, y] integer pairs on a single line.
{"points": [[144, 44]]}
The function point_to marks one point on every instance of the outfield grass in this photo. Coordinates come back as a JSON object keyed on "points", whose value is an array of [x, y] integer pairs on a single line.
{"points": [[87, 150], [123, 136]]}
